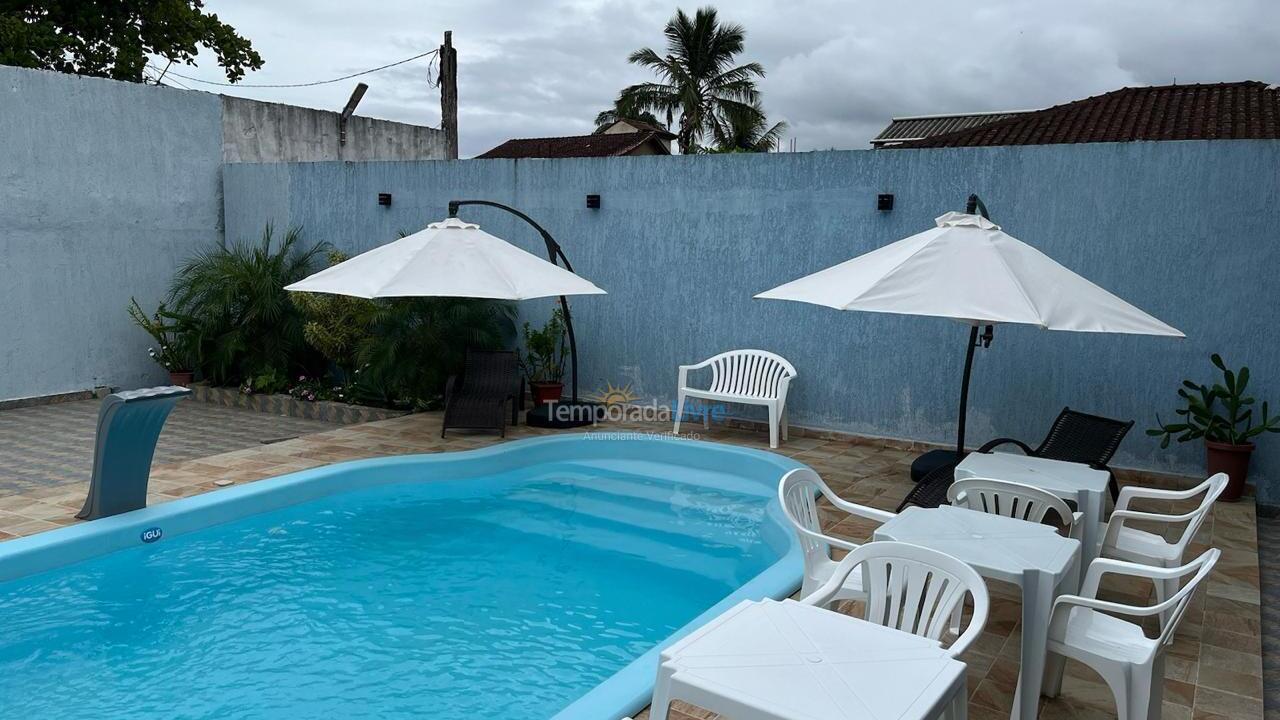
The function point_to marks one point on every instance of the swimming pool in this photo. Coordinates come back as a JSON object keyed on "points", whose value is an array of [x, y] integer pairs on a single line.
{"points": [[532, 579]]}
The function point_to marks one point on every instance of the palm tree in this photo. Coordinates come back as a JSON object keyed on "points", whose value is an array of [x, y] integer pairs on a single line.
{"points": [[620, 111], [749, 132], [697, 78]]}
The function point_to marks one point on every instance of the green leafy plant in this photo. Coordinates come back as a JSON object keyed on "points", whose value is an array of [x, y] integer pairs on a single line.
{"points": [[268, 381], [542, 359], [312, 389], [247, 326], [173, 334], [1220, 412], [415, 344], [336, 325]]}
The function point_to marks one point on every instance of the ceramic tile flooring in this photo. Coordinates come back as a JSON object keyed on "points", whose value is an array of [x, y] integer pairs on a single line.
{"points": [[52, 445], [1214, 669]]}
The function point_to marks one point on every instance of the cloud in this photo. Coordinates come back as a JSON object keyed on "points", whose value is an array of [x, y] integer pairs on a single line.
{"points": [[837, 70]]}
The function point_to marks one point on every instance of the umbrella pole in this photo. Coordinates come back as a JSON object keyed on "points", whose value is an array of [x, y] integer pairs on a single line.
{"points": [[973, 206], [556, 255], [974, 342]]}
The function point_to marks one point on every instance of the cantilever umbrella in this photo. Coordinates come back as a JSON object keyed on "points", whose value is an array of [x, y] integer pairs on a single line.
{"points": [[968, 269], [452, 258]]}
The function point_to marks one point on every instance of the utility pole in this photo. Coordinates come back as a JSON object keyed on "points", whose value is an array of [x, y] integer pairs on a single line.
{"points": [[449, 96]]}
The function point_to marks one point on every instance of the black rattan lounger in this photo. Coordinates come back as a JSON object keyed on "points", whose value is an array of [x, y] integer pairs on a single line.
{"points": [[477, 400]]}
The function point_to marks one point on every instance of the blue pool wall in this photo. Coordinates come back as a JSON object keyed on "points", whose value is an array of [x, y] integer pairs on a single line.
{"points": [[1188, 231]]}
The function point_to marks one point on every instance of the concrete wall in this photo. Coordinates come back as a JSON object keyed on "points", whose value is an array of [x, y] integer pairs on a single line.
{"points": [[1185, 230], [254, 131], [105, 188]]}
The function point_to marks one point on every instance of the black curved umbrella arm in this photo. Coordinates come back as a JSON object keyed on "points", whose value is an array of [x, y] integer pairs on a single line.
{"points": [[556, 255], [974, 206]]}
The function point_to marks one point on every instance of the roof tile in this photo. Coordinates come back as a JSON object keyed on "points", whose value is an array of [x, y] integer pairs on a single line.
{"points": [[1239, 110], [601, 145]]}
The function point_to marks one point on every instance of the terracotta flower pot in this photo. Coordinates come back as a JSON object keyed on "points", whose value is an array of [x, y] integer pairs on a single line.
{"points": [[545, 391], [1232, 460], [181, 377]]}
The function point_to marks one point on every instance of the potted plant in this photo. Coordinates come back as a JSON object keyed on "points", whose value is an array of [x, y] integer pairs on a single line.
{"points": [[1223, 416], [542, 360], [174, 346]]}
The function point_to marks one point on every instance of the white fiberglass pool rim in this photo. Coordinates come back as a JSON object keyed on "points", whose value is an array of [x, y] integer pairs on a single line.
{"points": [[968, 269], [450, 258]]}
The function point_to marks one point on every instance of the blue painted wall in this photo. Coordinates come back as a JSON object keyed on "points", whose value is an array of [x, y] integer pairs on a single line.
{"points": [[1185, 230], [105, 187]]}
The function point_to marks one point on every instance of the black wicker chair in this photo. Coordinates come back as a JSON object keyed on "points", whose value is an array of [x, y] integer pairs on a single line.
{"points": [[1077, 437], [931, 490], [477, 400]]}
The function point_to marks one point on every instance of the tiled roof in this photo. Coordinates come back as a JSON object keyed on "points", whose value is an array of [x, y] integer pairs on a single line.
{"points": [[641, 125], [917, 127], [602, 145], [1220, 111]]}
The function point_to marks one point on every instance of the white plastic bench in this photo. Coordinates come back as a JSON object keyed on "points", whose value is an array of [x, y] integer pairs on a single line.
{"points": [[751, 377]]}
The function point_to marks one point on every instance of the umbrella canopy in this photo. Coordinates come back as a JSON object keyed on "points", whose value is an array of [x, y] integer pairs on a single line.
{"points": [[450, 258], [968, 269]]}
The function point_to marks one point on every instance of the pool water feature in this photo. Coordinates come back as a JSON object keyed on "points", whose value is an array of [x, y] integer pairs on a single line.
{"points": [[534, 579]]}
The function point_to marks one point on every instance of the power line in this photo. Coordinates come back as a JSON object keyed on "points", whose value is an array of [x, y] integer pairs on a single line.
{"points": [[306, 84], [160, 79]]}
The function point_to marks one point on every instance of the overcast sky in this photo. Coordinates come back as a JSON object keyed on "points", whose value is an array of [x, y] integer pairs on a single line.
{"points": [[837, 70]]}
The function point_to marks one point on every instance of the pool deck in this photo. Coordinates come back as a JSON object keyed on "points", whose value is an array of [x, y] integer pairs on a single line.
{"points": [[1214, 669]]}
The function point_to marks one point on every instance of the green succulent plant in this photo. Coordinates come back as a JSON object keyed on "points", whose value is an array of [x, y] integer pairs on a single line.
{"points": [[1221, 412]]}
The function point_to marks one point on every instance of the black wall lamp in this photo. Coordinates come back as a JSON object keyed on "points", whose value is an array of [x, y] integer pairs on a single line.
{"points": [[884, 202], [593, 202], [384, 199]]}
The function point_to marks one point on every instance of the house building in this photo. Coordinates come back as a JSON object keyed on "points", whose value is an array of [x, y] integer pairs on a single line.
{"points": [[918, 127], [624, 137], [1215, 111]]}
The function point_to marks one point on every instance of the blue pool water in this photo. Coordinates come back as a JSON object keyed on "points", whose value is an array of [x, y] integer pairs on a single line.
{"points": [[505, 595]]}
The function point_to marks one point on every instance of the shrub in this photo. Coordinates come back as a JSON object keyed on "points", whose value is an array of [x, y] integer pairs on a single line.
{"points": [[248, 328], [174, 336], [544, 350], [415, 344], [336, 325]]}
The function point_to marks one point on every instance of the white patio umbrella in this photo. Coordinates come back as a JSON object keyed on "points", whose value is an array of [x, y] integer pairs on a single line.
{"points": [[968, 269], [450, 258]]}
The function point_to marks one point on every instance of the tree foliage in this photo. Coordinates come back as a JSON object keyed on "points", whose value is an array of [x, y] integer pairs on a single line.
{"points": [[748, 132], [115, 39], [622, 111], [699, 89]]}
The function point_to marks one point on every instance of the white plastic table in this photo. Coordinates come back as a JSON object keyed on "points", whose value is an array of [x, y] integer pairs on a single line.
{"points": [[1033, 556], [785, 659], [1077, 482]]}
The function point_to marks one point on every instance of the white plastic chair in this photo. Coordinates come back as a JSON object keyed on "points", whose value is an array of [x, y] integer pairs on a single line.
{"points": [[753, 377], [798, 495], [911, 588], [1131, 663], [1011, 499], [1122, 542]]}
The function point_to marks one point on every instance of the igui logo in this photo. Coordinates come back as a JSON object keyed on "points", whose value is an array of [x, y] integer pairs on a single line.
{"points": [[151, 535]]}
